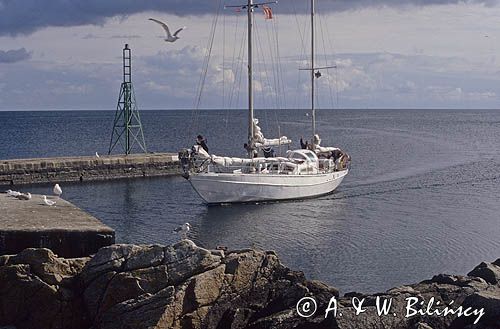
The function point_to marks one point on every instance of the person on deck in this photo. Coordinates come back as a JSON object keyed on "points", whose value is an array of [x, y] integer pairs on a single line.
{"points": [[303, 145], [249, 150], [202, 142], [268, 152], [336, 154]]}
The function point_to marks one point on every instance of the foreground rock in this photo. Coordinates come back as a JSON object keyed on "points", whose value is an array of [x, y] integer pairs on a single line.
{"points": [[184, 286]]}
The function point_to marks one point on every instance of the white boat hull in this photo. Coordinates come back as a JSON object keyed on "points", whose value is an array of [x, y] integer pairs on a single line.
{"points": [[217, 188]]}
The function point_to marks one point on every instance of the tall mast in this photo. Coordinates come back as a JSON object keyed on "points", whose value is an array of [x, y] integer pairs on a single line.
{"points": [[313, 110], [250, 80]]}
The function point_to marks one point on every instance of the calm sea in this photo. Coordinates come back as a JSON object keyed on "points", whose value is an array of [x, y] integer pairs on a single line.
{"points": [[422, 197]]}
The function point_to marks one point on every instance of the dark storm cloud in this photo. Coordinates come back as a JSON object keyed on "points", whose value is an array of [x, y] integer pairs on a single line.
{"points": [[26, 16], [12, 56]]}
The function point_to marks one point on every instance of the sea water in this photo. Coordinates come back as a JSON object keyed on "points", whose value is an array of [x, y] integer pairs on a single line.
{"points": [[422, 196]]}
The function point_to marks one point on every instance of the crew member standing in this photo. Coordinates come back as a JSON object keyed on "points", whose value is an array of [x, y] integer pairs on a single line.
{"points": [[202, 142]]}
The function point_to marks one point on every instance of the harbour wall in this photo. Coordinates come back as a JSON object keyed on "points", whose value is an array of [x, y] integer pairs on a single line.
{"points": [[86, 168], [62, 227]]}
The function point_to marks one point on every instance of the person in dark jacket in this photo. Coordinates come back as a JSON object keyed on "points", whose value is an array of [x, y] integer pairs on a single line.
{"points": [[202, 142], [303, 145], [250, 150]]}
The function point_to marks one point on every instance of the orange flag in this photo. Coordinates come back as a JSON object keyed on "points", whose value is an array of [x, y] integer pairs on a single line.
{"points": [[268, 13]]}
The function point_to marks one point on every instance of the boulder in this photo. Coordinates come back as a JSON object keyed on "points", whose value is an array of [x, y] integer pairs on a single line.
{"points": [[37, 290], [489, 301], [185, 286], [489, 272]]}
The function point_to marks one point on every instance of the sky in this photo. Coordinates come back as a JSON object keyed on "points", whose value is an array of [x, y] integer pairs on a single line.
{"points": [[66, 54]]}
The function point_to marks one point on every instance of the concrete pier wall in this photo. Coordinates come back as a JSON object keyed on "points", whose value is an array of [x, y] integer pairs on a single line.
{"points": [[64, 228], [72, 169]]}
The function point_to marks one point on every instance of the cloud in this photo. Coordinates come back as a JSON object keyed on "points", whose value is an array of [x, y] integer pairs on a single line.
{"points": [[27, 16], [12, 56], [169, 79]]}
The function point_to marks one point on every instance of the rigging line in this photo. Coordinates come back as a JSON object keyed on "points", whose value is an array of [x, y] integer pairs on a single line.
{"points": [[280, 64], [318, 106], [233, 69], [296, 98], [236, 64], [279, 73], [336, 69], [272, 60], [270, 102], [207, 62], [302, 41], [237, 74], [224, 103], [201, 82], [326, 59], [303, 56], [262, 70], [238, 68], [264, 78], [261, 64], [269, 86], [272, 39], [223, 62], [243, 48], [274, 69], [296, 102], [337, 87]]}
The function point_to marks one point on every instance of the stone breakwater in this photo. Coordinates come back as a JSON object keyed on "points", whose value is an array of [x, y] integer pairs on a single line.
{"points": [[184, 286], [62, 228], [74, 169]]}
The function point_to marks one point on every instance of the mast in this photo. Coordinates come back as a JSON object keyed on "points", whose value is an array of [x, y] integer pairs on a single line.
{"points": [[250, 80], [313, 110]]}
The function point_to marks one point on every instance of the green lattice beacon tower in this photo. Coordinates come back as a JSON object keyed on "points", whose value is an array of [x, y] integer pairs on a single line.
{"points": [[127, 127]]}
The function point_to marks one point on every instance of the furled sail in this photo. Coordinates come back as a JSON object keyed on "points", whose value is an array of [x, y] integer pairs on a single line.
{"points": [[260, 141], [321, 149]]}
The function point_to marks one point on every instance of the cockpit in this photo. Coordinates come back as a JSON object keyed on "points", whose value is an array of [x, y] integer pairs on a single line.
{"points": [[303, 155]]}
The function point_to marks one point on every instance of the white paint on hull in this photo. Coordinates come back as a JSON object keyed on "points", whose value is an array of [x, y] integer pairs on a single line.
{"points": [[216, 188]]}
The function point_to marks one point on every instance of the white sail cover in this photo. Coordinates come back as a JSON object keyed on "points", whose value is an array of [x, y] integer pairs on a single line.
{"points": [[261, 141], [201, 154], [232, 161], [322, 149], [229, 161]]}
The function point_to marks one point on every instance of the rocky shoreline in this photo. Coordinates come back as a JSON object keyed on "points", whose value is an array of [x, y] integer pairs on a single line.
{"points": [[185, 286]]}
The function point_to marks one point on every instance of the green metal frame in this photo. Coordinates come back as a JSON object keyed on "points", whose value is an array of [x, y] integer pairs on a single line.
{"points": [[127, 126]]}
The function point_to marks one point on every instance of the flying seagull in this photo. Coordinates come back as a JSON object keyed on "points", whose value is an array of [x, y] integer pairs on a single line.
{"points": [[97, 155], [170, 37], [57, 190], [48, 202], [183, 230]]}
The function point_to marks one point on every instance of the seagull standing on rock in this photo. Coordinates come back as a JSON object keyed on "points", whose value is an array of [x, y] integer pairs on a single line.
{"points": [[23, 196], [48, 202], [169, 36], [57, 190], [183, 230], [12, 193]]}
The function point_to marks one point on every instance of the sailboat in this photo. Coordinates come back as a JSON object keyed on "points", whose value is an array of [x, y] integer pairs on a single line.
{"points": [[308, 172]]}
